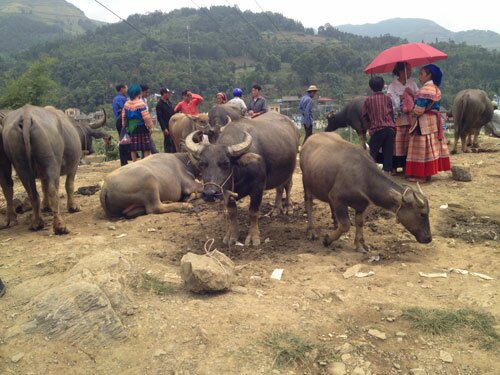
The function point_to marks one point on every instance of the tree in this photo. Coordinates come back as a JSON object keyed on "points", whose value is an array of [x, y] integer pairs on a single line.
{"points": [[272, 62], [35, 86]]}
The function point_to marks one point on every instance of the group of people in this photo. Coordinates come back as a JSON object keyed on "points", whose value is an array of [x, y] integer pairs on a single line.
{"points": [[405, 123], [134, 123]]}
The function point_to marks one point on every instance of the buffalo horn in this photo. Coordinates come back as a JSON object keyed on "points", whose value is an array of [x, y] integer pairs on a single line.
{"points": [[100, 123], [192, 147], [420, 189], [228, 120], [420, 201], [240, 148]]}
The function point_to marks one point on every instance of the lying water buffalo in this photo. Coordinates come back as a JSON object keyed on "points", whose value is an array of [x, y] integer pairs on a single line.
{"points": [[181, 125], [41, 143], [351, 115], [472, 109], [337, 172], [140, 188], [87, 131], [219, 116], [250, 156]]}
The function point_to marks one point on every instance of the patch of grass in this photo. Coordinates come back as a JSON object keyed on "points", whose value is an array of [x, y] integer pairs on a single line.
{"points": [[287, 347], [161, 288], [437, 322]]}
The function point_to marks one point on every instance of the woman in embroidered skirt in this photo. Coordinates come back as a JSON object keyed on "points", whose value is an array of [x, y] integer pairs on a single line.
{"points": [[136, 118], [400, 90], [427, 150]]}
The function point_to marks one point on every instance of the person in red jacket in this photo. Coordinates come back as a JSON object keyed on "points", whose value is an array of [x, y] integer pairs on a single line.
{"points": [[189, 103]]}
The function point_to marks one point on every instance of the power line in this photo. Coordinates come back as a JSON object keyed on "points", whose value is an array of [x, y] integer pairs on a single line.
{"points": [[240, 14], [133, 27], [270, 19]]}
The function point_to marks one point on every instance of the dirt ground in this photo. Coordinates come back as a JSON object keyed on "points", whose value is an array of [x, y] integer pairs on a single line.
{"points": [[226, 333]]}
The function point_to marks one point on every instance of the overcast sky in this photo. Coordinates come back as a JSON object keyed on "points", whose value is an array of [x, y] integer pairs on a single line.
{"points": [[451, 14]]}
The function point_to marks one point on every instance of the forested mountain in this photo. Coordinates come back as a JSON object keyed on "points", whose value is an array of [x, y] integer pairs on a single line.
{"points": [[25, 23], [265, 48], [418, 29]]}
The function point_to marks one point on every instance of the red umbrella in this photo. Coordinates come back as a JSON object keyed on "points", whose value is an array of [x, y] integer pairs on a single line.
{"points": [[414, 54]]}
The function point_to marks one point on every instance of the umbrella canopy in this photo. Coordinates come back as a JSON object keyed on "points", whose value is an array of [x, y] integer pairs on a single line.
{"points": [[414, 54]]}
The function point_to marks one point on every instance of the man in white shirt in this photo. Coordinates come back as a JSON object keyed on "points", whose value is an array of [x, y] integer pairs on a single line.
{"points": [[237, 101]]}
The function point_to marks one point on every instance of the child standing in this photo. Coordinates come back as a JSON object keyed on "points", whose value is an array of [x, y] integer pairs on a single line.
{"points": [[377, 109]]}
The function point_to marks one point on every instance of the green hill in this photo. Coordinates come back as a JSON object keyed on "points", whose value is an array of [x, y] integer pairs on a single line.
{"points": [[417, 29], [267, 48], [25, 23]]}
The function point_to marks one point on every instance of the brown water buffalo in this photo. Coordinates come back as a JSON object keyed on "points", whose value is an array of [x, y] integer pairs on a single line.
{"points": [[337, 172], [250, 156], [41, 143], [141, 188], [219, 116], [6, 182], [472, 109], [181, 125], [351, 115]]}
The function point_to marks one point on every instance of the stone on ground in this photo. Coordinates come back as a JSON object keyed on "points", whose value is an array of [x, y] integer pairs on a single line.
{"points": [[211, 272], [337, 368], [461, 173]]}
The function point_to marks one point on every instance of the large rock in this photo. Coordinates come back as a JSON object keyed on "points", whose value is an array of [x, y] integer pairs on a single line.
{"points": [[77, 312], [211, 272], [461, 173], [84, 306]]}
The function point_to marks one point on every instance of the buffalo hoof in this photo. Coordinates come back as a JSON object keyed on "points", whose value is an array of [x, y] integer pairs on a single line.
{"points": [[230, 239], [46, 209], [453, 152], [252, 240], [74, 209], [327, 241], [312, 234], [361, 249], [37, 225], [475, 145], [289, 210], [61, 229]]}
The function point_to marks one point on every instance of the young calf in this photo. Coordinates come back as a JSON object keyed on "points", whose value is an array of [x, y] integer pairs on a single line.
{"points": [[344, 175]]}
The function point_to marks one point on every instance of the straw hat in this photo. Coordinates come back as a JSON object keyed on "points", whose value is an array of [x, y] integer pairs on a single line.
{"points": [[312, 88]]}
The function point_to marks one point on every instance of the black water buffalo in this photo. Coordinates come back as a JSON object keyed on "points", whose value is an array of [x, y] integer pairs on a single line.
{"points": [[88, 131], [472, 109], [250, 156], [143, 187], [219, 116], [337, 172], [180, 125], [351, 115], [40, 143]]}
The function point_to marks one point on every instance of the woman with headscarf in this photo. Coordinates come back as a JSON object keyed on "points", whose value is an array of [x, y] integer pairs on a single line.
{"points": [[403, 87], [427, 150], [138, 122], [220, 98]]}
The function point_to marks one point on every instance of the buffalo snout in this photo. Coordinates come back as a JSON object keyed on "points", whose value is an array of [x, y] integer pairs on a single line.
{"points": [[211, 195], [426, 238]]}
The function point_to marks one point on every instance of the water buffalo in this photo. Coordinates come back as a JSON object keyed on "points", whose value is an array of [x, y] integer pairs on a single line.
{"points": [[87, 131], [181, 125], [6, 182], [140, 188], [337, 172], [219, 116], [351, 115], [250, 156], [40, 143], [472, 109]]}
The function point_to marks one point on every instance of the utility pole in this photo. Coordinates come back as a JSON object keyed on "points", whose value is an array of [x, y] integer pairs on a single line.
{"points": [[189, 54]]}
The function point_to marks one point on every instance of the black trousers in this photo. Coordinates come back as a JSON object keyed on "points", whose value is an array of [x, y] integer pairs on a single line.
{"points": [[168, 144], [123, 150], [383, 138], [309, 131]]}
